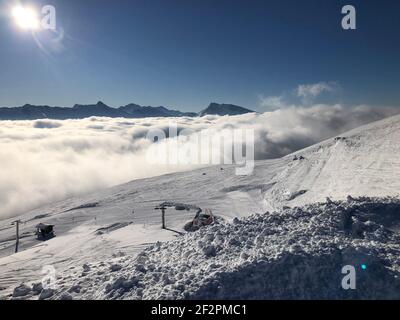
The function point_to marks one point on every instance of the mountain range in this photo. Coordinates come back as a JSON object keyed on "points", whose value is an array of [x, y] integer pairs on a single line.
{"points": [[80, 111]]}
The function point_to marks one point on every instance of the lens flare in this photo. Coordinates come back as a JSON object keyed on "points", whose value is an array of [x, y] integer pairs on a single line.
{"points": [[26, 18]]}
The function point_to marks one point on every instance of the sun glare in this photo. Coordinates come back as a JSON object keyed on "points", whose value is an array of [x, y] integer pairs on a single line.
{"points": [[26, 18]]}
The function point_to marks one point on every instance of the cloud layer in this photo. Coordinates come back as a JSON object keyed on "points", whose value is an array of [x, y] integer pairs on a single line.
{"points": [[45, 161]]}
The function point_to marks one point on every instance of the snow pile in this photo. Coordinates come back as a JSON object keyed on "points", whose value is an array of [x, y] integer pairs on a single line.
{"points": [[296, 253]]}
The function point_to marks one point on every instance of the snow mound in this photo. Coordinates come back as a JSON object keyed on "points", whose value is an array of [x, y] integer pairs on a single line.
{"points": [[295, 253]]}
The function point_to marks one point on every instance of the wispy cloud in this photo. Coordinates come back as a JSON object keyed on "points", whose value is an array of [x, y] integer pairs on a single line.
{"points": [[303, 95], [272, 102], [314, 90]]}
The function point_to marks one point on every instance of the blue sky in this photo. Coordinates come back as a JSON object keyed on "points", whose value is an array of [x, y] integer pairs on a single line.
{"points": [[187, 53]]}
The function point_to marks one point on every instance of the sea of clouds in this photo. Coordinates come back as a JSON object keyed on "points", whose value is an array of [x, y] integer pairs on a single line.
{"points": [[44, 161]]}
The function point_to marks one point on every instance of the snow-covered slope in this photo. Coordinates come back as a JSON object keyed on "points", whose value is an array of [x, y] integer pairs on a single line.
{"points": [[292, 254], [94, 228], [362, 162]]}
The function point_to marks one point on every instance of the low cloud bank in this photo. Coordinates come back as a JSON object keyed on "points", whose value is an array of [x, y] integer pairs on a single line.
{"points": [[45, 161]]}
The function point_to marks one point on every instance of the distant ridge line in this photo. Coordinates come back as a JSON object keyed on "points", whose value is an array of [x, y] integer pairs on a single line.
{"points": [[80, 111]]}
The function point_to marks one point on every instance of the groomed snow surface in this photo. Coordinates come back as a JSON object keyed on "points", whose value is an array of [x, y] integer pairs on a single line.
{"points": [[294, 248]]}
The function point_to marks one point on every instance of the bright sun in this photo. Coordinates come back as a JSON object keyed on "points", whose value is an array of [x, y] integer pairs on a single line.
{"points": [[26, 18]]}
